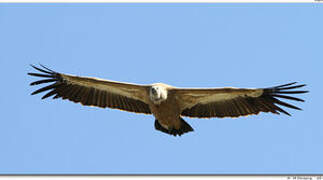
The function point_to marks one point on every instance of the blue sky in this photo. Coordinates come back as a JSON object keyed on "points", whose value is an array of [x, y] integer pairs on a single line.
{"points": [[184, 45]]}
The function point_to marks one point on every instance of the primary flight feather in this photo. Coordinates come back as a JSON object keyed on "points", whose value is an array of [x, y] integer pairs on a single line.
{"points": [[165, 102]]}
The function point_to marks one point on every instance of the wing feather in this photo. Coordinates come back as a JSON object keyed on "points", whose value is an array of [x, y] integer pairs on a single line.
{"points": [[92, 91], [235, 102]]}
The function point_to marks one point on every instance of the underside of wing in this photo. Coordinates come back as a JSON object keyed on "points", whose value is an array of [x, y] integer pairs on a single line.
{"points": [[92, 91], [233, 102]]}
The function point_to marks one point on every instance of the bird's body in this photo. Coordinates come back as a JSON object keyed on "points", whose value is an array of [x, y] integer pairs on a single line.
{"points": [[167, 103], [167, 112]]}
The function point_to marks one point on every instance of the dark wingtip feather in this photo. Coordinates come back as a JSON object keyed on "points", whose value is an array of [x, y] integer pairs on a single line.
{"points": [[288, 97], [45, 88], [284, 85], [42, 81], [48, 76], [283, 89], [47, 68], [285, 104], [278, 92], [291, 92], [40, 75], [41, 70], [50, 93], [292, 87], [281, 110]]}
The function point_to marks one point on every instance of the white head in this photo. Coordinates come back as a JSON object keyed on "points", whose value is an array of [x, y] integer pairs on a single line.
{"points": [[157, 94]]}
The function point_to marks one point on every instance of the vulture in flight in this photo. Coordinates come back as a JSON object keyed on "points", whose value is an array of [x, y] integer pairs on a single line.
{"points": [[167, 103]]}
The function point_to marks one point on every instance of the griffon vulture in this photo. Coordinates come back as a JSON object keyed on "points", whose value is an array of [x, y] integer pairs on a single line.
{"points": [[167, 103]]}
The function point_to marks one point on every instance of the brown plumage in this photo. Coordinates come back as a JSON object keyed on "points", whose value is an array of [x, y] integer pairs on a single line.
{"points": [[166, 103]]}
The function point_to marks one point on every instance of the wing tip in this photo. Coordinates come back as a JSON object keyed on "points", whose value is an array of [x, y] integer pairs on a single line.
{"points": [[279, 91]]}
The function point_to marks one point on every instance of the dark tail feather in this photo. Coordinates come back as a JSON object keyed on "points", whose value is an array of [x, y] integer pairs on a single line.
{"points": [[185, 127]]}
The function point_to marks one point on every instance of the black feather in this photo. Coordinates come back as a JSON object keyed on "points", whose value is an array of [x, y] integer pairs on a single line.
{"points": [[41, 70], [291, 87], [284, 85], [42, 81], [46, 88], [285, 104], [40, 75], [50, 93], [288, 97], [291, 92], [47, 68]]}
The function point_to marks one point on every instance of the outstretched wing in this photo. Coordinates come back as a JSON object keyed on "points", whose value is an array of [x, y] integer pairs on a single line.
{"points": [[92, 91], [235, 102]]}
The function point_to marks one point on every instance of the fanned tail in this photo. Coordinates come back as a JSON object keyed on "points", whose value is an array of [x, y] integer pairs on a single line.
{"points": [[185, 128]]}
